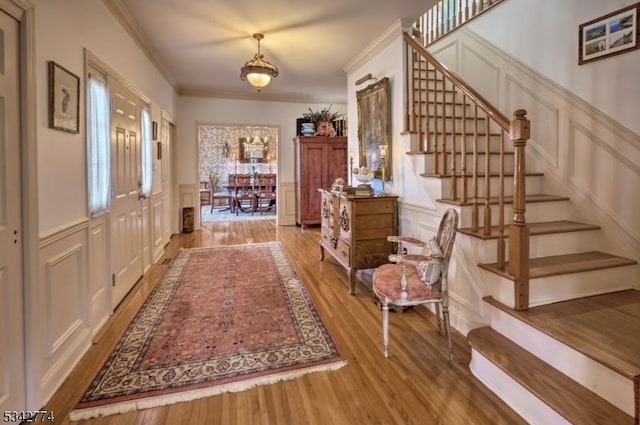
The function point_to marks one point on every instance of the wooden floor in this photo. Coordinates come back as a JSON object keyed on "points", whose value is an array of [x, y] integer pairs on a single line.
{"points": [[415, 385]]}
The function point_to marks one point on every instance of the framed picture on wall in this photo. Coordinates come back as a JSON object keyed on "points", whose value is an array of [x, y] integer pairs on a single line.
{"points": [[64, 99], [612, 34], [374, 126]]}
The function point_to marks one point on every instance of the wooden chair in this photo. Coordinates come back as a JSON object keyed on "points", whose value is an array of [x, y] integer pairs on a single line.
{"points": [[243, 193], [205, 193], [265, 192], [417, 279], [219, 193]]}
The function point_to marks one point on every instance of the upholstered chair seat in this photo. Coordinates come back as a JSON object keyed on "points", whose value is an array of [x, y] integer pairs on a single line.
{"points": [[417, 279]]}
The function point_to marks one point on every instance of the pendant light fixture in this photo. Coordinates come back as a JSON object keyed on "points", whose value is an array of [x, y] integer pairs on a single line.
{"points": [[258, 72]]}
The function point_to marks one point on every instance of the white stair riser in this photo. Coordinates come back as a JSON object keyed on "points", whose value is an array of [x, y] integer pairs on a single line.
{"points": [[494, 142], [448, 110], [527, 405], [535, 211], [565, 243], [552, 289], [605, 382], [552, 244], [437, 123], [494, 162], [438, 95], [533, 184]]}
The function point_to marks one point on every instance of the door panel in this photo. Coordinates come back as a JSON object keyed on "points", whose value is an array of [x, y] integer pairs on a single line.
{"points": [[315, 175], [168, 218], [126, 207], [12, 366]]}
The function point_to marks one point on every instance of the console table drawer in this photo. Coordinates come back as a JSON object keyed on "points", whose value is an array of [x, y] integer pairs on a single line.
{"points": [[355, 229]]}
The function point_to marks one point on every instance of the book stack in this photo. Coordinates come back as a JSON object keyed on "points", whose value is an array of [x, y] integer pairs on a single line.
{"points": [[343, 188], [364, 190]]}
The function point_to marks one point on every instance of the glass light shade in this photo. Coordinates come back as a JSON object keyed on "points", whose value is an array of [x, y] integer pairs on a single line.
{"points": [[258, 72], [258, 80]]}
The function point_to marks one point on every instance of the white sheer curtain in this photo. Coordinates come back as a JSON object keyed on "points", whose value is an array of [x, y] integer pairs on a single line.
{"points": [[99, 162], [146, 152]]}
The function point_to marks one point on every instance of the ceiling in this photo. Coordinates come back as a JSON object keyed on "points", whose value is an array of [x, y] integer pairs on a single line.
{"points": [[200, 45]]}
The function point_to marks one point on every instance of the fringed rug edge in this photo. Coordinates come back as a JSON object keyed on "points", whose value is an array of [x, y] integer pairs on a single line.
{"points": [[165, 400]]}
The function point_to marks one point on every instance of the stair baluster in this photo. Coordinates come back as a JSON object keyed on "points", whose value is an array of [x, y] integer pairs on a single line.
{"points": [[487, 180], [463, 145], [440, 150], [474, 208], [500, 241]]}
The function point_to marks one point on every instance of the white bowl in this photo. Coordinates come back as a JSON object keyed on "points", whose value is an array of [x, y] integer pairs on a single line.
{"points": [[364, 177]]}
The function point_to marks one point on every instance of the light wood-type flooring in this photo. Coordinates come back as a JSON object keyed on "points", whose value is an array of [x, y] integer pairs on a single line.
{"points": [[415, 385]]}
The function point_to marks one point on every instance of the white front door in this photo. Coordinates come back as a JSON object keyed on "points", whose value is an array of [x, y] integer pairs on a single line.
{"points": [[12, 372], [168, 218], [126, 207]]}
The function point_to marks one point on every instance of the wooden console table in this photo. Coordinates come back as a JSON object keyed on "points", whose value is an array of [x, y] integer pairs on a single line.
{"points": [[355, 229]]}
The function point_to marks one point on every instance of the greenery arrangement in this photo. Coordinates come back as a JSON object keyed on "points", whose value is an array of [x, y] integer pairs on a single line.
{"points": [[323, 115]]}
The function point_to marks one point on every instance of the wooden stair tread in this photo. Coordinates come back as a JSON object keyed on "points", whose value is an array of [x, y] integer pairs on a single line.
{"points": [[556, 265], [430, 152], [480, 175], [602, 327], [568, 398], [482, 133], [539, 197], [540, 228]]}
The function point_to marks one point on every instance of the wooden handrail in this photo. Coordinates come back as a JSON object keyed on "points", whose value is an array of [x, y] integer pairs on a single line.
{"points": [[438, 98], [476, 97]]}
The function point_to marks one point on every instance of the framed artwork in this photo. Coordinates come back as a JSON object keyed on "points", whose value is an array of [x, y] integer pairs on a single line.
{"points": [[612, 34], [253, 149], [64, 99], [374, 128]]}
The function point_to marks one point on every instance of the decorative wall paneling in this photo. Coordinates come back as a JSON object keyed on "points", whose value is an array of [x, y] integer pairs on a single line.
{"points": [[147, 233], [99, 288], [566, 134], [64, 289], [158, 242], [286, 204], [465, 298]]}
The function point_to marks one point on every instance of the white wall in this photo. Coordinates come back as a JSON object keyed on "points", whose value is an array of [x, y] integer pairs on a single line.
{"points": [[544, 35], [63, 29], [69, 294]]}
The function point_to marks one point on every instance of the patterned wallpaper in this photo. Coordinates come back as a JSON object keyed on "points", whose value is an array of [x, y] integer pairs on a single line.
{"points": [[220, 149]]}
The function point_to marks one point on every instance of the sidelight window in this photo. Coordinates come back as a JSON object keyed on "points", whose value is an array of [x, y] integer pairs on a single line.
{"points": [[99, 164]]}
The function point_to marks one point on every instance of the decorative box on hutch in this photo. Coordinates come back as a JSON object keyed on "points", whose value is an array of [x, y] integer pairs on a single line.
{"points": [[354, 230]]}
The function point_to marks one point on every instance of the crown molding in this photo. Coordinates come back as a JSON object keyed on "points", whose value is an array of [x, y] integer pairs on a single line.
{"points": [[392, 33], [122, 15], [262, 96], [15, 8]]}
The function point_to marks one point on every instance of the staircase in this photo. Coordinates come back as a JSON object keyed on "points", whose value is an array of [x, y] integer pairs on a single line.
{"points": [[563, 342]]}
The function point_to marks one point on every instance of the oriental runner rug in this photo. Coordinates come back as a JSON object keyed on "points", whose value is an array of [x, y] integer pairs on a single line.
{"points": [[220, 319]]}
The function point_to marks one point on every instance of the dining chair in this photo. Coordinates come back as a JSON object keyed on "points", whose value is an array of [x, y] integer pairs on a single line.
{"points": [[205, 193], [243, 193], [219, 193], [418, 279], [265, 192]]}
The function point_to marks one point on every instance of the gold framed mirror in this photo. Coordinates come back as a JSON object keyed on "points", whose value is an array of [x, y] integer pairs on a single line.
{"points": [[253, 149], [374, 127]]}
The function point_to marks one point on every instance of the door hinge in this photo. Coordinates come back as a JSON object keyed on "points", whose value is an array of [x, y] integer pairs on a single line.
{"points": [[113, 279]]}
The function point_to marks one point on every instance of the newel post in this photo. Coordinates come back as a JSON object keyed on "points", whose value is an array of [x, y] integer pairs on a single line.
{"points": [[518, 231]]}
